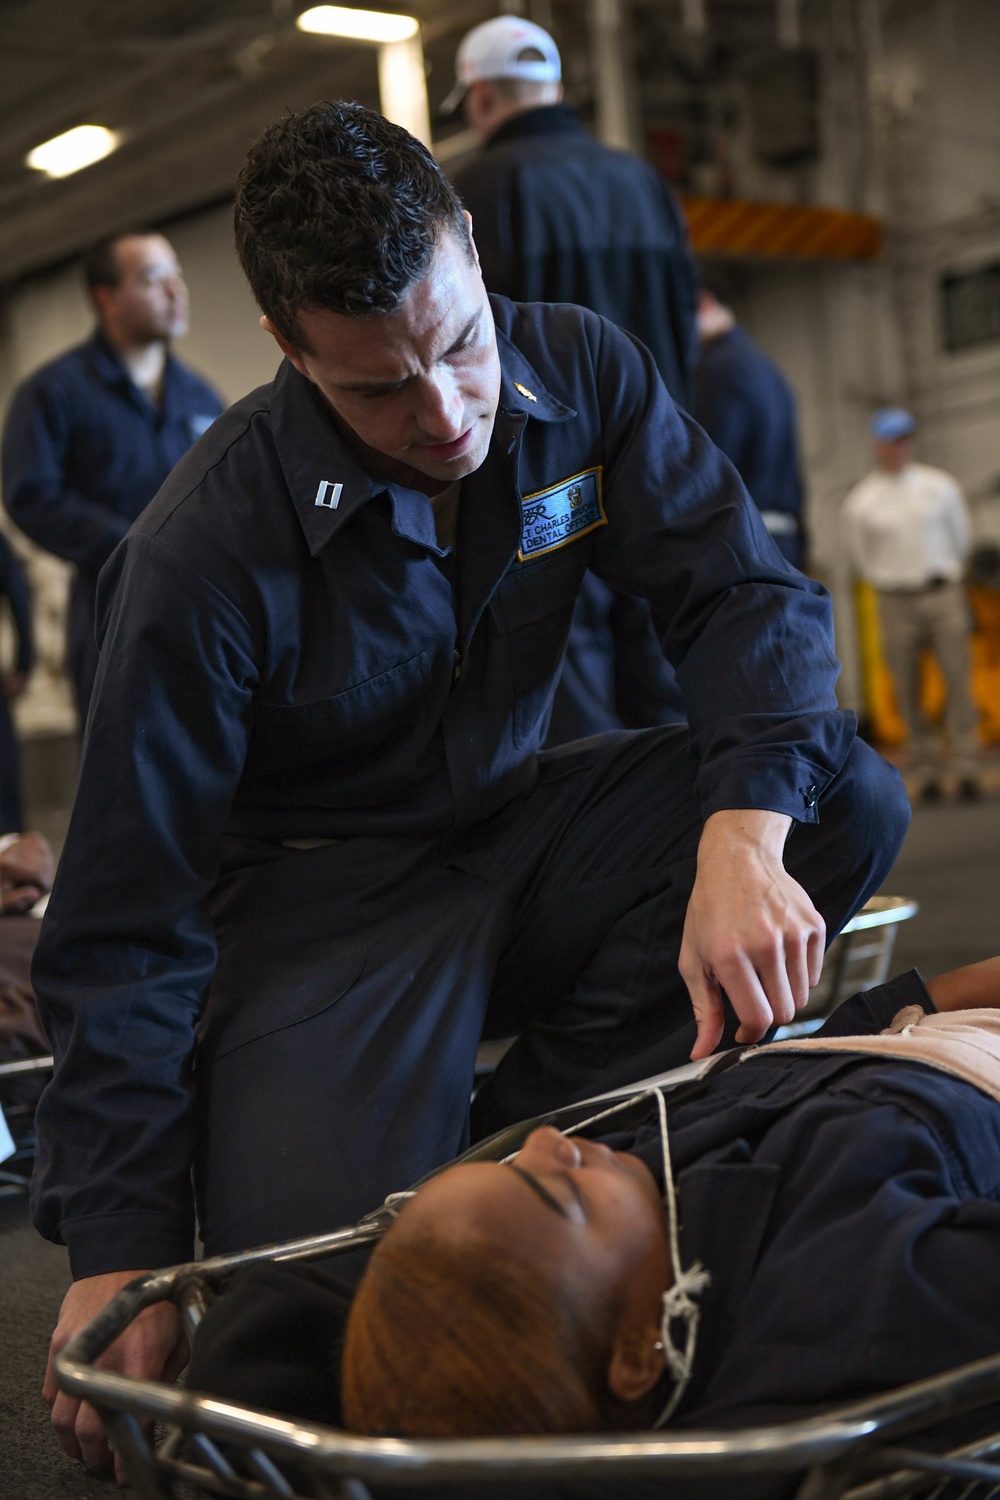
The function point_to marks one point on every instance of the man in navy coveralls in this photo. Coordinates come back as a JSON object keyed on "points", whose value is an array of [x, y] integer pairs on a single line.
{"points": [[91, 437], [560, 217], [316, 852]]}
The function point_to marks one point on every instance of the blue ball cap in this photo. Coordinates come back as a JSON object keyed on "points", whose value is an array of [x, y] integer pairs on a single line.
{"points": [[891, 423]]}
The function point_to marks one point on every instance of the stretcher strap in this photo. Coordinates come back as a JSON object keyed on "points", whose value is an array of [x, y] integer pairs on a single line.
{"points": [[678, 1303]]}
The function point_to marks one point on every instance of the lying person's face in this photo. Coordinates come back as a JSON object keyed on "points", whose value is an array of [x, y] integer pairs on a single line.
{"points": [[598, 1211], [556, 1264]]}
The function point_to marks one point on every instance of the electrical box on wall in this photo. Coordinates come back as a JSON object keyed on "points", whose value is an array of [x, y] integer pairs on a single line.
{"points": [[783, 99], [970, 307]]}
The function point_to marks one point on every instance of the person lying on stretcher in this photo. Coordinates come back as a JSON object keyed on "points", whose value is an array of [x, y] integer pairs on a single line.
{"points": [[829, 1227]]}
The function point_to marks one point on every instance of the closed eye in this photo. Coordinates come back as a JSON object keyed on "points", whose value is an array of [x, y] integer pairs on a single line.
{"points": [[548, 1198]]}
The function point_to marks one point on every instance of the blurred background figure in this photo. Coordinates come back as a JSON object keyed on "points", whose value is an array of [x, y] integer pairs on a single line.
{"points": [[906, 528], [559, 217], [13, 588], [747, 407], [91, 437]]}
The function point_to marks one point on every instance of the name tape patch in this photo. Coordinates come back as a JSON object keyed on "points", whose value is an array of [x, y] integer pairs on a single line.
{"points": [[551, 518]]}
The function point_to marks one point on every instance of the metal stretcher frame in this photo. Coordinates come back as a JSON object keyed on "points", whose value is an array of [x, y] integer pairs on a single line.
{"points": [[868, 1450]]}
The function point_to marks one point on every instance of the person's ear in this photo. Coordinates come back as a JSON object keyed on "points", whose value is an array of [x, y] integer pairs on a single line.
{"points": [[103, 298], [636, 1362], [480, 102], [288, 350]]}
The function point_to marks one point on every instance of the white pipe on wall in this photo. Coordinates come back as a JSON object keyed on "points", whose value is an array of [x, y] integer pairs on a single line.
{"points": [[789, 23], [612, 85], [693, 17], [402, 86]]}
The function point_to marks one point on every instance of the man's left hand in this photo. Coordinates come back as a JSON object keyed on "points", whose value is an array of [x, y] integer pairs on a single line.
{"points": [[750, 930], [26, 872]]}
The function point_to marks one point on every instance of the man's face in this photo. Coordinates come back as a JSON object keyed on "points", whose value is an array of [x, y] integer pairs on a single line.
{"points": [[894, 456], [417, 387], [150, 301]]}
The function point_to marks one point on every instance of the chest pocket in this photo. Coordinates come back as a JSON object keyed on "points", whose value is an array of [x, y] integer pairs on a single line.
{"points": [[359, 717], [533, 609]]}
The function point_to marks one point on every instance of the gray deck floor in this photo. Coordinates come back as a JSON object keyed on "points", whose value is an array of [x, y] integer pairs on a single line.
{"points": [[950, 862]]}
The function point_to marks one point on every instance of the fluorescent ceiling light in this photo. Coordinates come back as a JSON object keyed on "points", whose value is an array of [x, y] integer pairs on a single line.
{"points": [[74, 149], [362, 25]]}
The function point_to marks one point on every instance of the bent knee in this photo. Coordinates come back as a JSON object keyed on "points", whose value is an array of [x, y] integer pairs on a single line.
{"points": [[870, 798]]}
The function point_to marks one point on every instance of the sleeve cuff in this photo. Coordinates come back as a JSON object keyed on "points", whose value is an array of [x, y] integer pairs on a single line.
{"points": [[126, 1242], [789, 786]]}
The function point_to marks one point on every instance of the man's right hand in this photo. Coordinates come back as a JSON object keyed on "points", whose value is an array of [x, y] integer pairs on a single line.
{"points": [[153, 1347]]}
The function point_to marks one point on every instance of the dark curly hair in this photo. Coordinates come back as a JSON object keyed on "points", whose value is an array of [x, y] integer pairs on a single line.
{"points": [[338, 208]]}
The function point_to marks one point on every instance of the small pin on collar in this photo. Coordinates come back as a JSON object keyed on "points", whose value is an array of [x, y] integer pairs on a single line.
{"points": [[328, 495], [524, 391]]}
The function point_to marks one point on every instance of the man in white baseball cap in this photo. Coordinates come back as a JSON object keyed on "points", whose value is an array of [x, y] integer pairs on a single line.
{"points": [[560, 217], [509, 48]]}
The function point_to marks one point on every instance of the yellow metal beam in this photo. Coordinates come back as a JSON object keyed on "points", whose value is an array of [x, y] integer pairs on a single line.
{"points": [[780, 231]]}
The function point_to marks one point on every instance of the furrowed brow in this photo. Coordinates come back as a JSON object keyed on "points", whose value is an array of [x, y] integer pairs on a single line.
{"points": [[371, 387], [368, 387]]}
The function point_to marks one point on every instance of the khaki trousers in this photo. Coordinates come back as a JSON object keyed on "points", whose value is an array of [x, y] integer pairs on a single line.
{"points": [[937, 619]]}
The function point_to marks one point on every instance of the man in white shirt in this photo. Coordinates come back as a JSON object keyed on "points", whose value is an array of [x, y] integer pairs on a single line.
{"points": [[907, 532]]}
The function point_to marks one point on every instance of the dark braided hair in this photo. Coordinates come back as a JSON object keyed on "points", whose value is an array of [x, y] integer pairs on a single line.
{"points": [[338, 208]]}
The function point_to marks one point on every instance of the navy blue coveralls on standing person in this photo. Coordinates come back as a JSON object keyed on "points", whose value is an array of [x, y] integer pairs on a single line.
{"points": [[312, 796], [747, 408], [84, 452], [847, 1210], [13, 588], [560, 217]]}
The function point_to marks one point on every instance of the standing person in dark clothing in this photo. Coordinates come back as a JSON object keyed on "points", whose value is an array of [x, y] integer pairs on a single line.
{"points": [[747, 408], [559, 217], [13, 588], [92, 436]]}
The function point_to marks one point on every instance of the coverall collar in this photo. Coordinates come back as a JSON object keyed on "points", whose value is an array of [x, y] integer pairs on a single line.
{"points": [[328, 483], [547, 119], [108, 365]]}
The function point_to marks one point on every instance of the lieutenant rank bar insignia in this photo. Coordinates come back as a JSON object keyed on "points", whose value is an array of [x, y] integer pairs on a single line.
{"points": [[551, 518], [328, 495]]}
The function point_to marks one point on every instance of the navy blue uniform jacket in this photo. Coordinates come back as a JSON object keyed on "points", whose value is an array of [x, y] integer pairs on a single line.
{"points": [[275, 667], [560, 217], [84, 452], [747, 407], [846, 1208]]}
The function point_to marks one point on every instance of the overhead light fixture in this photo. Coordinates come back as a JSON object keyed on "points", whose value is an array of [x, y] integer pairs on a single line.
{"points": [[359, 25], [73, 150]]}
